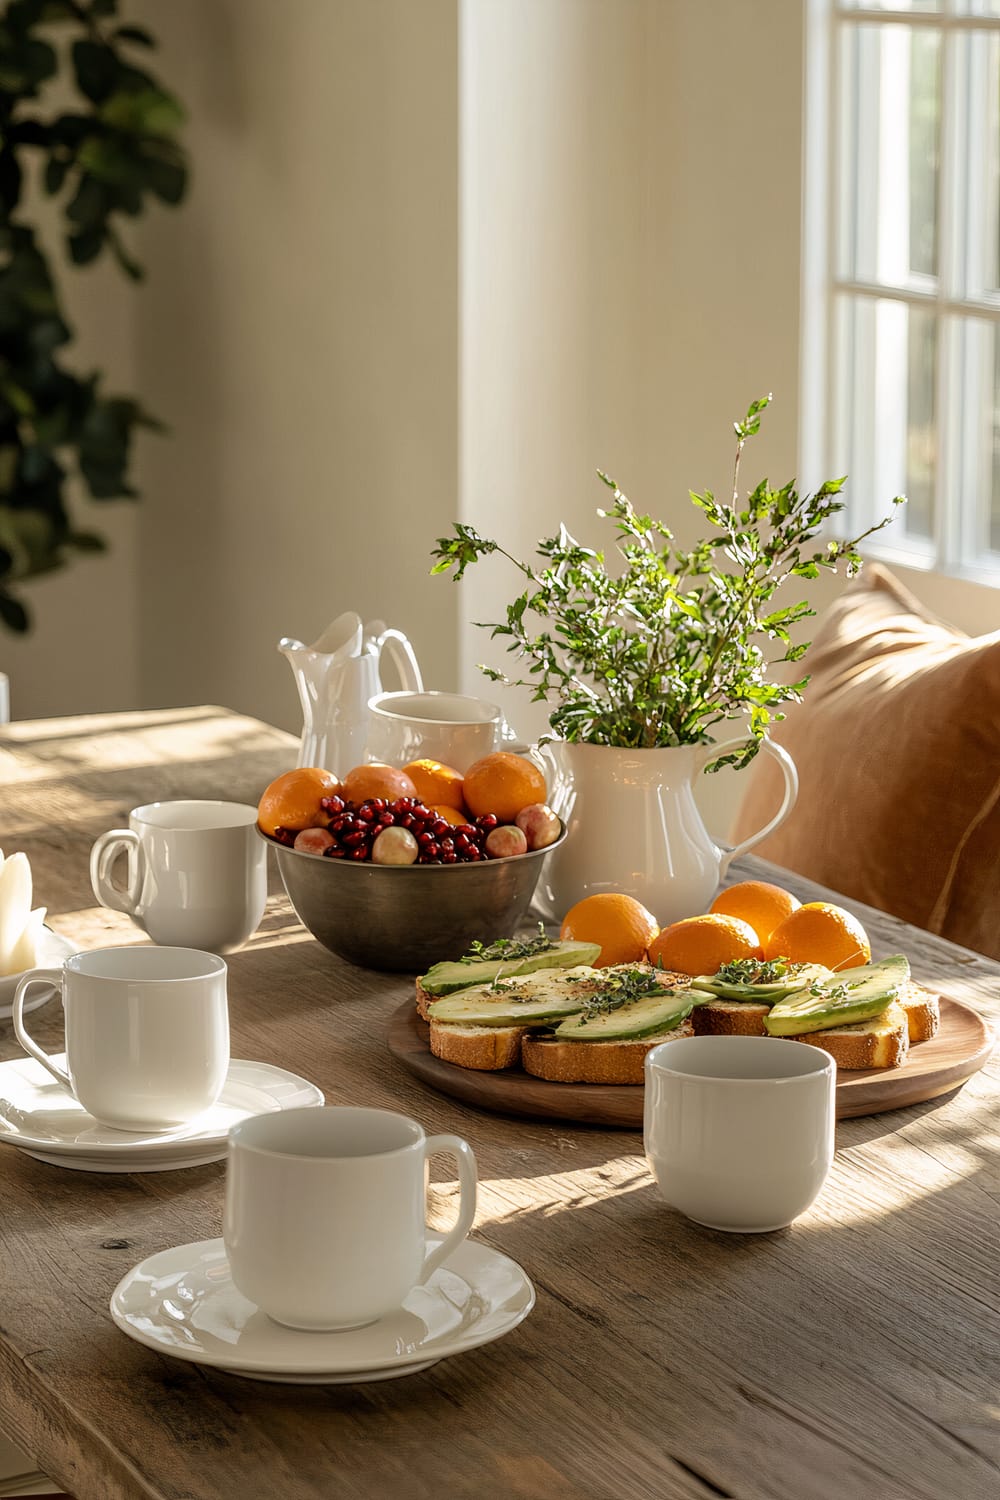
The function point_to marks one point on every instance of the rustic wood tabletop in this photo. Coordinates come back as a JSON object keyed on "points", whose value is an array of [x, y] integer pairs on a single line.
{"points": [[856, 1354]]}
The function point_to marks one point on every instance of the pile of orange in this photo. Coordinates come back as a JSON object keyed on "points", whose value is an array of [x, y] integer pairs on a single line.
{"points": [[751, 920], [500, 783]]}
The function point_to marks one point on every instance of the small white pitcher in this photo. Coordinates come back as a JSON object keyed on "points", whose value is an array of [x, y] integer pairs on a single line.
{"points": [[336, 676], [634, 826]]}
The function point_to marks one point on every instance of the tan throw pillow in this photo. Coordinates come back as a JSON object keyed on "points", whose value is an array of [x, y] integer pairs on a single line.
{"points": [[897, 746]]}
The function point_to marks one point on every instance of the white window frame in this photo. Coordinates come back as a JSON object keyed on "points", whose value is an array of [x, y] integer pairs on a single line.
{"points": [[961, 525]]}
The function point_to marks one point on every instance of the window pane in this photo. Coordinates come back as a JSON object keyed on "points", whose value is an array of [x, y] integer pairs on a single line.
{"points": [[890, 82], [925, 5], [886, 438], [981, 150], [980, 437]]}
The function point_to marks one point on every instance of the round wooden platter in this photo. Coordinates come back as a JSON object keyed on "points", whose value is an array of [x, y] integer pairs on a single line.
{"points": [[960, 1049]]}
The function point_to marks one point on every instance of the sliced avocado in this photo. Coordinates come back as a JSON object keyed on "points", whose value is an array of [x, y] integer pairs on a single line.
{"points": [[846, 998], [527, 1000], [646, 1016], [447, 978], [797, 977]]}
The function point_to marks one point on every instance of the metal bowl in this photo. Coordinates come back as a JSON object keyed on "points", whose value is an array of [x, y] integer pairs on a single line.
{"points": [[407, 917]]}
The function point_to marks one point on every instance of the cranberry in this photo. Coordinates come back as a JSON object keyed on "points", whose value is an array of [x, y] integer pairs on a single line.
{"points": [[487, 822], [447, 846], [407, 820], [449, 857], [359, 854], [354, 840], [426, 840]]}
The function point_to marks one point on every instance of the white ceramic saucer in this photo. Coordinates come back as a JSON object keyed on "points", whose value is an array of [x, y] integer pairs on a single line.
{"points": [[52, 949], [182, 1302], [39, 1117]]}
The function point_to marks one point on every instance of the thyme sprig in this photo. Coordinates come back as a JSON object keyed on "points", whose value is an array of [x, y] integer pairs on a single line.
{"points": [[620, 988], [664, 644], [755, 970], [508, 949]]}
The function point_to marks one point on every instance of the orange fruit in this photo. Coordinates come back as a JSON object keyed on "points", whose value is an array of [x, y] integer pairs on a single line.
{"points": [[757, 902], [453, 815], [377, 780], [503, 783], [820, 933], [292, 800], [436, 783], [700, 945], [622, 926]]}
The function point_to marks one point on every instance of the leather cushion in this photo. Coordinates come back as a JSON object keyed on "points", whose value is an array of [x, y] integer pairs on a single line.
{"points": [[897, 745]]}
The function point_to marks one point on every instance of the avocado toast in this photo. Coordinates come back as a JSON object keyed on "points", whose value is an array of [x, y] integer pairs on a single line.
{"points": [[568, 1022], [578, 1025]]}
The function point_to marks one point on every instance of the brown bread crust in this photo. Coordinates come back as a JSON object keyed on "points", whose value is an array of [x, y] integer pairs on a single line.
{"points": [[923, 1011], [859, 1046], [486, 1049], [593, 1062], [729, 1018]]}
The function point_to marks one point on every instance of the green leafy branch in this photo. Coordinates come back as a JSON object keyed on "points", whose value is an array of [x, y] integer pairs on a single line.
{"points": [[669, 643], [102, 162]]}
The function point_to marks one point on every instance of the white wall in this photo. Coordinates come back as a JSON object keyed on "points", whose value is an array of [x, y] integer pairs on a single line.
{"points": [[301, 331]]}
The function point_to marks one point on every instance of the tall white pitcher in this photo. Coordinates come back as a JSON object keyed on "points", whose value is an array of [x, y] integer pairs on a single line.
{"points": [[634, 826]]}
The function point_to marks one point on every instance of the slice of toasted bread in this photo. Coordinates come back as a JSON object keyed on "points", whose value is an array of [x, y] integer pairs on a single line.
{"points": [[923, 1011], [882, 1042], [729, 1018], [593, 1062], [487, 1049]]}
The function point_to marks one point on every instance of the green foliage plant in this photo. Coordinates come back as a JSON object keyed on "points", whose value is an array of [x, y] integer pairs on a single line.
{"points": [[101, 159], [667, 644]]}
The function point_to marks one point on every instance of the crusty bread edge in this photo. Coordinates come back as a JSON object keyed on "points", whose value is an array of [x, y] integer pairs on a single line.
{"points": [[484, 1049], [617, 1062]]}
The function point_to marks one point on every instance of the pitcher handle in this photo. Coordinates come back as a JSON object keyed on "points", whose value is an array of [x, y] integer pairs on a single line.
{"points": [[403, 659], [730, 852]]}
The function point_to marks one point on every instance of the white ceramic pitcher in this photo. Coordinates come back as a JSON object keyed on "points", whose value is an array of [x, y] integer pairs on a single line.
{"points": [[634, 826], [336, 676]]}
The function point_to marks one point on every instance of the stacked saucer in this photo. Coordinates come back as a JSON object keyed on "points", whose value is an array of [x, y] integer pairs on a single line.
{"points": [[182, 1302], [39, 1117]]}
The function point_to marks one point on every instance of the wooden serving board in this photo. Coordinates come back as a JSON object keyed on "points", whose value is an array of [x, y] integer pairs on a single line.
{"points": [[960, 1049]]}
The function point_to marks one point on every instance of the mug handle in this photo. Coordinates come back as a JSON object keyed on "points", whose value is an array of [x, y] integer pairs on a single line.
{"points": [[467, 1178], [403, 659], [103, 855], [35, 976], [712, 752]]}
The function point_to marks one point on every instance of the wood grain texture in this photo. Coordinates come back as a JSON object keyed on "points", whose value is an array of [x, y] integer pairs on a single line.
{"points": [[962, 1046], [855, 1356]]}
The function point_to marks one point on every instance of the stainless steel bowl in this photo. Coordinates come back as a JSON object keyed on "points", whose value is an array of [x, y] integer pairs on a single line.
{"points": [[408, 917]]}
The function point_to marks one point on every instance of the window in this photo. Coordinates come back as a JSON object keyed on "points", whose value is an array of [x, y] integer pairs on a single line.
{"points": [[901, 312]]}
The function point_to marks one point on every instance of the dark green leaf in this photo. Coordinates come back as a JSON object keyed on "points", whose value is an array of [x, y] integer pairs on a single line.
{"points": [[137, 34], [85, 246], [96, 69], [13, 613]]}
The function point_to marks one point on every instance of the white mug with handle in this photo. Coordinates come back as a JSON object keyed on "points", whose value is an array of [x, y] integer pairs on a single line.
{"points": [[197, 873], [350, 1240], [147, 1033]]}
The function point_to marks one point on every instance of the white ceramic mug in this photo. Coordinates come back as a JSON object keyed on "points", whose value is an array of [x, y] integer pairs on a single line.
{"points": [[739, 1129], [325, 1213], [147, 1033], [197, 873], [449, 727]]}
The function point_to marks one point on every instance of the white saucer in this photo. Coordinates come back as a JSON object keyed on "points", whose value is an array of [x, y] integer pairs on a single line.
{"points": [[182, 1302], [52, 949], [39, 1117]]}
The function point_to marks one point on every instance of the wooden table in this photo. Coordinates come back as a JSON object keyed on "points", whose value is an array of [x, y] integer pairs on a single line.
{"points": [[856, 1355]]}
